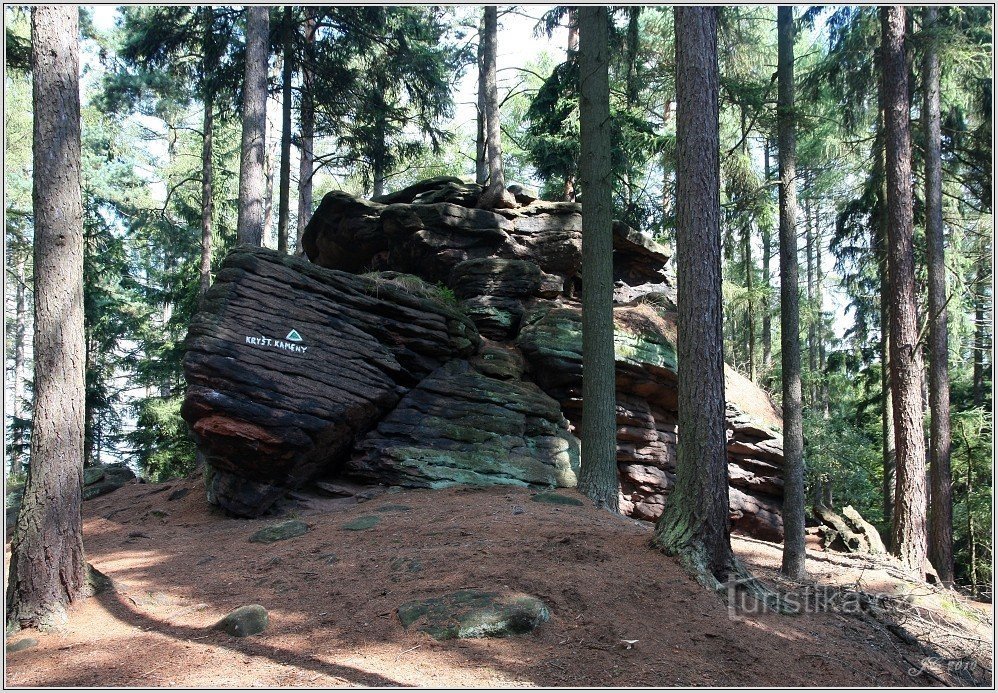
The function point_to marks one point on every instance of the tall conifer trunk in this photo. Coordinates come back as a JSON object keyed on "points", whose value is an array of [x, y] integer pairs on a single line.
{"points": [[207, 200], [307, 122], [252, 183], [481, 143], [598, 475], [495, 195], [47, 569], [284, 182], [694, 523], [767, 320], [908, 540], [941, 509], [207, 164], [793, 434]]}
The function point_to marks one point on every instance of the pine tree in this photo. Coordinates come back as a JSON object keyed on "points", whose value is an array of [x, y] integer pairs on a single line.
{"points": [[793, 432], [495, 195], [908, 541], [694, 523], [598, 475], [941, 508], [306, 117], [47, 569], [288, 30], [252, 182]]}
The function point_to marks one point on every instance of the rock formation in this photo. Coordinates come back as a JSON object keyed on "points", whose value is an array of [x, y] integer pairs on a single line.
{"points": [[428, 343]]}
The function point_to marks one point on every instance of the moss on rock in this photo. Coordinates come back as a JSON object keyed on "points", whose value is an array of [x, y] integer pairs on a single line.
{"points": [[474, 614]]}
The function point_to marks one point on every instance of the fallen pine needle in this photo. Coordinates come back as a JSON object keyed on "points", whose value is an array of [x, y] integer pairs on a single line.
{"points": [[405, 652]]}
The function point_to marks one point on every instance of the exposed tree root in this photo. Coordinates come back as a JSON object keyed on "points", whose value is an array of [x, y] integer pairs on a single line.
{"points": [[741, 579], [676, 540]]}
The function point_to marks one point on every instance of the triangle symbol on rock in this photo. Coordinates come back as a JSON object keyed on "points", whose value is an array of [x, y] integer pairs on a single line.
{"points": [[293, 336]]}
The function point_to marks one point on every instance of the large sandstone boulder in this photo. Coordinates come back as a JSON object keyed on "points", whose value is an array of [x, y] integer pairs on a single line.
{"points": [[290, 364], [287, 363], [647, 429], [460, 425], [391, 382]]}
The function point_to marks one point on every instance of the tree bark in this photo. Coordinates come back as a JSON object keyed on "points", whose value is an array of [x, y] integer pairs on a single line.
{"points": [[812, 351], [794, 552], [767, 320], [307, 119], [569, 191], [941, 508], [666, 166], [750, 310], [378, 166], [252, 185], [495, 195], [598, 475], [17, 459], [481, 143], [908, 541], [47, 568], [207, 200], [822, 384], [971, 536], [694, 522], [284, 182], [268, 195], [207, 154], [879, 244], [981, 341]]}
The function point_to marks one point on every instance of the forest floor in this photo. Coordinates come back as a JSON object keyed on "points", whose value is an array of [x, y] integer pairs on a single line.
{"points": [[180, 565]]}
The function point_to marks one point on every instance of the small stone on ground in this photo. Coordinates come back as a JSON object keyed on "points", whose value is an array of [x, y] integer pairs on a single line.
{"points": [[365, 522], [245, 621], [21, 645], [555, 499], [280, 532], [475, 614]]}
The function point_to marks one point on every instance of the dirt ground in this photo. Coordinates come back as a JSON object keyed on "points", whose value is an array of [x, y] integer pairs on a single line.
{"points": [[180, 565]]}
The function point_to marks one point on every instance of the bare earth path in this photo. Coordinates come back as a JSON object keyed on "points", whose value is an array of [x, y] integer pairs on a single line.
{"points": [[180, 565]]}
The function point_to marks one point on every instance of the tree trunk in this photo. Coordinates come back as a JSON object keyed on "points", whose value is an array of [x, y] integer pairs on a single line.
{"points": [[908, 541], [284, 184], [307, 118], [569, 191], [794, 552], [378, 166], [268, 195], [631, 80], [573, 32], [887, 401], [47, 569], [812, 339], [495, 195], [252, 186], [598, 475], [980, 329], [750, 310], [941, 508], [767, 320], [694, 523], [207, 200], [971, 536], [879, 245], [666, 166], [822, 384], [481, 144], [17, 459]]}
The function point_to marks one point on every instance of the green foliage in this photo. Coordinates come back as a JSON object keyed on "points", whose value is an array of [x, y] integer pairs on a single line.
{"points": [[973, 454], [844, 458], [164, 450], [552, 135]]}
